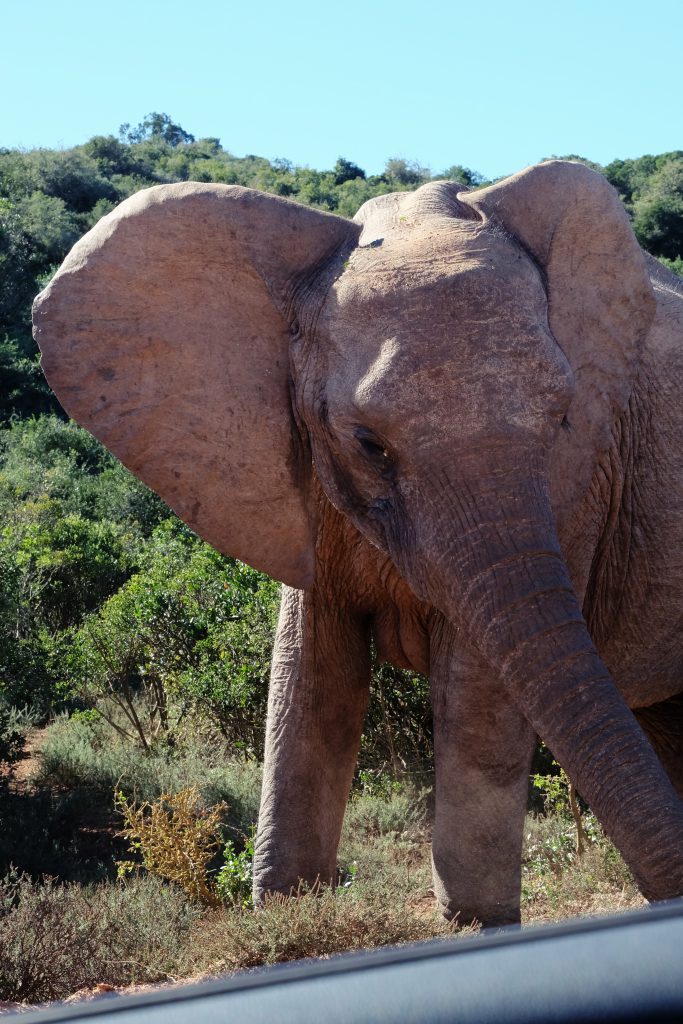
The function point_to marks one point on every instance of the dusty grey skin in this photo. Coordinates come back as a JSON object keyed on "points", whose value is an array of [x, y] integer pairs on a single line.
{"points": [[453, 426]]}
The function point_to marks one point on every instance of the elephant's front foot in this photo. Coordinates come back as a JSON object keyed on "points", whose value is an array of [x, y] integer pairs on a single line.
{"points": [[263, 893], [290, 869], [464, 912], [465, 906], [262, 890]]}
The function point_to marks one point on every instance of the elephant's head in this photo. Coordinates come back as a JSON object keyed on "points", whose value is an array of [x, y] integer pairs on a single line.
{"points": [[460, 382], [451, 364]]}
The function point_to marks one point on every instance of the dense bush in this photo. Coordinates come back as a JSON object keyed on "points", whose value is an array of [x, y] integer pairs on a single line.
{"points": [[80, 753], [72, 523], [56, 939], [398, 733], [14, 724], [190, 632]]}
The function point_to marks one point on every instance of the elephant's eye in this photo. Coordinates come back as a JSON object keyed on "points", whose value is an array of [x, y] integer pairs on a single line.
{"points": [[370, 444], [375, 450]]}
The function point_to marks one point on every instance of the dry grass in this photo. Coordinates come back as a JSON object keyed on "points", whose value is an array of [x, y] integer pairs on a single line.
{"points": [[385, 854], [597, 883], [313, 925], [57, 939]]}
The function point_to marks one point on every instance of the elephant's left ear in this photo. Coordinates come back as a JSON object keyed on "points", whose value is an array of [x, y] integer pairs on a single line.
{"points": [[600, 299], [166, 334]]}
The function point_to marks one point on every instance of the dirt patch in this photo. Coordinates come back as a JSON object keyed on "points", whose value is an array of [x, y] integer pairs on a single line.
{"points": [[30, 759]]}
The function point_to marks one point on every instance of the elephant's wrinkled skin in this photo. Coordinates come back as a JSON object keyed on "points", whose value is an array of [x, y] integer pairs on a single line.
{"points": [[454, 426]]}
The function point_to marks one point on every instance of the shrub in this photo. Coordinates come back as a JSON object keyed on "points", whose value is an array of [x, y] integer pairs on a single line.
{"points": [[397, 807], [81, 754], [56, 939], [14, 723], [191, 632], [316, 923], [177, 837], [234, 878], [398, 734]]}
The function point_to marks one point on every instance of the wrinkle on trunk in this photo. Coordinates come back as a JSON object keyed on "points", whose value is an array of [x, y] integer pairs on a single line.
{"points": [[491, 562]]}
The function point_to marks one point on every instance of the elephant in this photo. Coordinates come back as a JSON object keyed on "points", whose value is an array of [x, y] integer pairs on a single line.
{"points": [[452, 428]]}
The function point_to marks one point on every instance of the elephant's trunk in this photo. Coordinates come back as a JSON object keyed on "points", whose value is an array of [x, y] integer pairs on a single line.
{"points": [[500, 573]]}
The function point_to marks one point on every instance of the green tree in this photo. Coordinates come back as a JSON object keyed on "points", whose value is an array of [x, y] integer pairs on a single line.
{"points": [[658, 211], [110, 155], [72, 524], [156, 126], [456, 172], [405, 172], [23, 388], [72, 176], [191, 632], [17, 272], [49, 225], [344, 170]]}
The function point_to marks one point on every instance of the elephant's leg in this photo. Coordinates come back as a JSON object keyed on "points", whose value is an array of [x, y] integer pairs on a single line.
{"points": [[663, 726], [483, 748], [317, 701]]}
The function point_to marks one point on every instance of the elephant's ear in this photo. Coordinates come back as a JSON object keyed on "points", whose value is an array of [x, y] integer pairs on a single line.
{"points": [[600, 299], [165, 334]]}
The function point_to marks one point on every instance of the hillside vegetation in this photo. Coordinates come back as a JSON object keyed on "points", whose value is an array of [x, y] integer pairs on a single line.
{"points": [[83, 545], [148, 652]]}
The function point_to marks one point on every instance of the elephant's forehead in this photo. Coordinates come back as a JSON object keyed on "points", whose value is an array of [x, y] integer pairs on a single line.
{"points": [[447, 326], [425, 279], [427, 273]]}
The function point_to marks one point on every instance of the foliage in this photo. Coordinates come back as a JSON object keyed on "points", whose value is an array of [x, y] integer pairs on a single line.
{"points": [[468, 177], [234, 878], [399, 172], [398, 733], [675, 265], [57, 939], [14, 724], [177, 837], [575, 831], [81, 755], [72, 521], [23, 389], [555, 788], [346, 170], [652, 190], [191, 631], [156, 126]]}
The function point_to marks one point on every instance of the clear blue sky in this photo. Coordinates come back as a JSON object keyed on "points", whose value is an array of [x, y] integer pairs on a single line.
{"points": [[491, 85]]}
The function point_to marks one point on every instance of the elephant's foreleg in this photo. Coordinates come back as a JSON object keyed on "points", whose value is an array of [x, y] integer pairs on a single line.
{"points": [[317, 701], [483, 748]]}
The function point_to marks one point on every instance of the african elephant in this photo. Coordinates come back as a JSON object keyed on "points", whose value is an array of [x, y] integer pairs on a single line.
{"points": [[452, 425]]}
